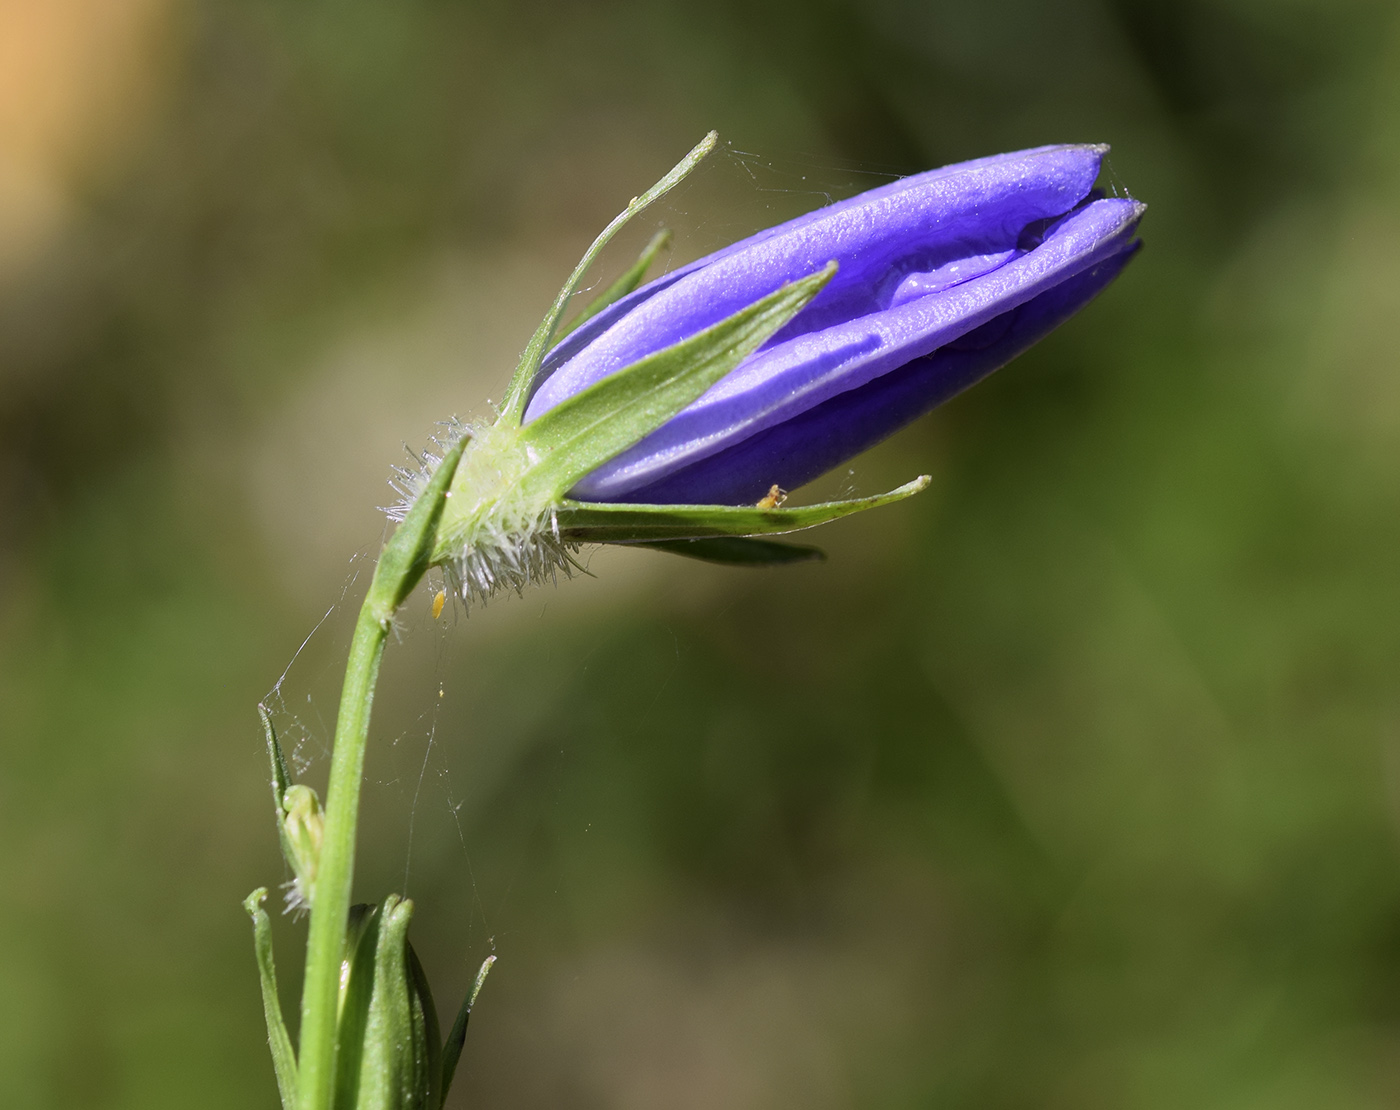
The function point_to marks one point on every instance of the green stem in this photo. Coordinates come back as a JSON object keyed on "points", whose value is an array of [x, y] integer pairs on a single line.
{"points": [[316, 1058], [401, 566]]}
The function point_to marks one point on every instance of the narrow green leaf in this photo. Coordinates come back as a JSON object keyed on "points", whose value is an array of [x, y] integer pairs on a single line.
{"points": [[623, 285], [738, 551], [284, 1061], [513, 407], [581, 433], [281, 778], [599, 522], [452, 1048]]}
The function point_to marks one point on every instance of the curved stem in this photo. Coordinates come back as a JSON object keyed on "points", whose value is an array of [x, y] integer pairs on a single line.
{"points": [[401, 565], [335, 875]]}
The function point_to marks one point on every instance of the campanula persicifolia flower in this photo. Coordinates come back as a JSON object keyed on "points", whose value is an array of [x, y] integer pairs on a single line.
{"points": [[943, 277], [676, 413]]}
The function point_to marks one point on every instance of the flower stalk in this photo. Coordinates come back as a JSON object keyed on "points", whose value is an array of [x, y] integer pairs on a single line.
{"points": [[403, 562]]}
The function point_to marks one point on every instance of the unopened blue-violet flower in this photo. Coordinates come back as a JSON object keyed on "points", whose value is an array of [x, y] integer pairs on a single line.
{"points": [[677, 413]]}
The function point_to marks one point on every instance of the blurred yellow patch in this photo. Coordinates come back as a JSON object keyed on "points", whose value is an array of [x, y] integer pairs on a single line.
{"points": [[76, 80]]}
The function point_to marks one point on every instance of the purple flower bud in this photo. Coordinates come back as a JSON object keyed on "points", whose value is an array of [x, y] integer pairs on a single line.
{"points": [[943, 277]]}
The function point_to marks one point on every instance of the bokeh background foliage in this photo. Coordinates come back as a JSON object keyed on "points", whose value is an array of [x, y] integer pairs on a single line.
{"points": [[1072, 783]]}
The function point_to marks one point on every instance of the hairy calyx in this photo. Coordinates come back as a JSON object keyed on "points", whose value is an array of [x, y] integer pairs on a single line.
{"points": [[493, 535]]}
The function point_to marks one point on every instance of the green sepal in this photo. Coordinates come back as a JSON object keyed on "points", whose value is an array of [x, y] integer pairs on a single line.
{"points": [[517, 393], [452, 1047], [386, 1066], [284, 1060], [581, 433], [353, 1002], [736, 551], [624, 284], [388, 1043], [408, 553], [602, 522]]}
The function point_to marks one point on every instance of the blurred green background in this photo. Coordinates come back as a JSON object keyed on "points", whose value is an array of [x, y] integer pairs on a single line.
{"points": [[1072, 783]]}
